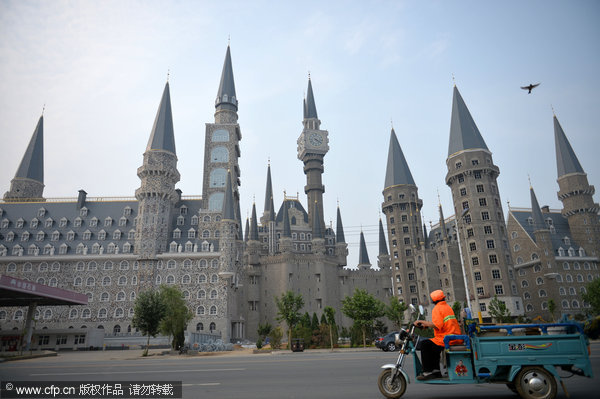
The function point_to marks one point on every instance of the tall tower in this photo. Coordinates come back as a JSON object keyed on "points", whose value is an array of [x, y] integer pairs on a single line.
{"points": [[472, 178], [28, 184], [313, 144], [401, 206], [222, 148], [157, 194], [576, 195]]}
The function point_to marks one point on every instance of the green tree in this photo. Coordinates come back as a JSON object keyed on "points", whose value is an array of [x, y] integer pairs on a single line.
{"points": [[288, 310], [275, 337], [323, 319], [177, 315], [314, 323], [552, 308], [499, 311], [363, 308], [264, 330], [456, 308], [329, 314], [395, 312], [592, 295], [305, 320], [148, 311]]}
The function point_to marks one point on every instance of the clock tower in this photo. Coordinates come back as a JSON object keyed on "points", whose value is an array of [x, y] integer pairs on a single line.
{"points": [[313, 144]]}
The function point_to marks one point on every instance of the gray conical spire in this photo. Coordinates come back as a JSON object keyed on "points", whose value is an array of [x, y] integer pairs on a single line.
{"points": [[247, 232], [339, 228], [269, 206], [238, 217], [163, 136], [397, 170], [254, 225], [383, 250], [228, 210], [316, 223], [32, 164], [226, 98], [566, 160], [443, 224], [464, 133], [287, 228], [310, 109], [363, 255], [536, 212]]}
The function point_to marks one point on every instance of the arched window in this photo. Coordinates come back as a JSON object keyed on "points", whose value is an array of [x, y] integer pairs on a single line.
{"points": [[527, 295], [524, 283], [106, 281], [214, 278], [219, 154], [102, 314], [529, 307], [119, 312], [202, 278], [121, 296], [73, 314], [213, 310], [104, 297], [200, 311], [212, 327], [203, 264], [218, 177], [122, 280], [201, 294], [542, 293], [565, 304], [116, 329], [213, 294], [170, 279], [539, 281], [186, 279], [85, 314], [199, 327], [215, 201]]}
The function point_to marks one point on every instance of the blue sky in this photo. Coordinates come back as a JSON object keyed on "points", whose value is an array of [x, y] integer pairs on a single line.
{"points": [[100, 68]]}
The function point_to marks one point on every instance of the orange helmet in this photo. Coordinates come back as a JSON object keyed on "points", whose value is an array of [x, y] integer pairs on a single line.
{"points": [[437, 295]]}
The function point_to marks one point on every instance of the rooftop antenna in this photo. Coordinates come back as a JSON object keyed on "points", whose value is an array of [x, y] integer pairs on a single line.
{"points": [[43, 109], [453, 80], [168, 74]]}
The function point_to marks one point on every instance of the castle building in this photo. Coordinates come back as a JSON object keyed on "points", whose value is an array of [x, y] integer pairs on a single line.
{"points": [[112, 249], [557, 251]]}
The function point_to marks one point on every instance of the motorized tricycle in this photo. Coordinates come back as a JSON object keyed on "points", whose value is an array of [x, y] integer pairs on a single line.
{"points": [[525, 357]]}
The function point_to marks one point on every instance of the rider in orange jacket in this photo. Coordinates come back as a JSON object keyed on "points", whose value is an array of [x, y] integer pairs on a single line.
{"points": [[443, 323]]}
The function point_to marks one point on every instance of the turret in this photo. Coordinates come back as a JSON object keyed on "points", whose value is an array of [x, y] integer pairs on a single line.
{"points": [[158, 175]]}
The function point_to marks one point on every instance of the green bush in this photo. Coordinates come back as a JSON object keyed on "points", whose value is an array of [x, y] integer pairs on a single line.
{"points": [[259, 344], [275, 337]]}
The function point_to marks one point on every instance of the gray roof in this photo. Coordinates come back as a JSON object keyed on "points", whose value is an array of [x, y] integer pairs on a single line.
{"points": [[101, 219], [382, 243], [289, 203], [538, 219], [228, 210], [397, 170], [163, 136], [32, 164], [339, 228], [310, 107], [226, 97], [566, 160], [557, 234], [464, 133], [363, 255]]}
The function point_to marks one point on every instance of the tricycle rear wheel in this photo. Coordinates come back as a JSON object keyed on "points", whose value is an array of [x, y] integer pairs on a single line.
{"points": [[535, 382], [389, 386]]}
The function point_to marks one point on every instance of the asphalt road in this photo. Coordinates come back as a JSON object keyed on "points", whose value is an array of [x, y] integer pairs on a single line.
{"points": [[290, 375]]}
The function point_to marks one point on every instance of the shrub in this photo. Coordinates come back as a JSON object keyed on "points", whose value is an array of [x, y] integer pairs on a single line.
{"points": [[275, 336], [592, 328], [259, 344]]}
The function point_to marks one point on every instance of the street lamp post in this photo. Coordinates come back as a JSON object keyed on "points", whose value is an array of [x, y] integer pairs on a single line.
{"points": [[464, 272]]}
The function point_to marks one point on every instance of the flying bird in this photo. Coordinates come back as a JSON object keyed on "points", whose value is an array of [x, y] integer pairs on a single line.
{"points": [[531, 86]]}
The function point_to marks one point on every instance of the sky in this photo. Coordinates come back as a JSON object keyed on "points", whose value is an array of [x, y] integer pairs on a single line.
{"points": [[98, 69]]}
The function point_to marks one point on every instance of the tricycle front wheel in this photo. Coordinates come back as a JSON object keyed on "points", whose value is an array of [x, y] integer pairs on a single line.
{"points": [[535, 382], [391, 387]]}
